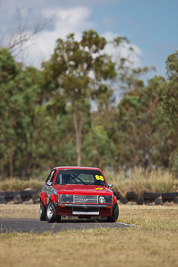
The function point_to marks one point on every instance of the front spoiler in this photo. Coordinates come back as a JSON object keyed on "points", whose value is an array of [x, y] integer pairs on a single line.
{"points": [[84, 205]]}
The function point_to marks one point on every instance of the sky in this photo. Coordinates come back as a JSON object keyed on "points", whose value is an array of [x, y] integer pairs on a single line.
{"points": [[150, 25]]}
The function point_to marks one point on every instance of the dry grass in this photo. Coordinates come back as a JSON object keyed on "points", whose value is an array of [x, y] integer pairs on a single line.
{"points": [[14, 184], [153, 242], [19, 211], [139, 181]]}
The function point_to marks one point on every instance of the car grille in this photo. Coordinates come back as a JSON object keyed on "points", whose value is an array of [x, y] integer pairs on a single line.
{"points": [[85, 199]]}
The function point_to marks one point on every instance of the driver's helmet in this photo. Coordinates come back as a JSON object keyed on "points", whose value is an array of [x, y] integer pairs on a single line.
{"points": [[65, 178]]}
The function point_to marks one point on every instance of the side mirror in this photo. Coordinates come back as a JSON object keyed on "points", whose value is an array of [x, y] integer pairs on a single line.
{"points": [[49, 183], [110, 185]]}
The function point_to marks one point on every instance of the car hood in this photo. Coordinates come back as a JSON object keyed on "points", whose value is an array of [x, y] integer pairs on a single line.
{"points": [[83, 190]]}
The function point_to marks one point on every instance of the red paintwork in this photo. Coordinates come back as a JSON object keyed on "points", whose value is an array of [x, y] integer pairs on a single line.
{"points": [[67, 211], [115, 199], [44, 198], [76, 189], [54, 198]]}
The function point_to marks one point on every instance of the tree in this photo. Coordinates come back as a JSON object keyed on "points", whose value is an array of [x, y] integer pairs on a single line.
{"points": [[78, 70], [141, 137], [15, 41], [8, 72], [168, 93], [98, 148], [19, 93], [25, 107], [172, 66]]}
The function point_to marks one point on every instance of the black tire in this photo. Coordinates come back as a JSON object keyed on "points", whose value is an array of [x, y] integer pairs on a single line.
{"points": [[123, 200], [115, 214], [151, 196], [131, 196], [140, 201], [175, 200], [42, 212], [51, 215], [169, 196], [158, 201]]}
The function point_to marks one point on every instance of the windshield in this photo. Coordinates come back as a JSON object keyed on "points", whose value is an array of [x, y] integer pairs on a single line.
{"points": [[85, 177]]}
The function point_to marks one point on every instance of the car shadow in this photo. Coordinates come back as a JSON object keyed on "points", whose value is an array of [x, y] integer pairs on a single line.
{"points": [[81, 220]]}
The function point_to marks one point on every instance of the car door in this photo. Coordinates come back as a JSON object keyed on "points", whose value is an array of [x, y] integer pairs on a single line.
{"points": [[47, 188]]}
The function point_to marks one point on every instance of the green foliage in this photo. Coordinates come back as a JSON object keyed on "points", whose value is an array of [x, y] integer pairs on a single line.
{"points": [[143, 133], [8, 66], [168, 92], [172, 66], [70, 67], [98, 148], [47, 119]]}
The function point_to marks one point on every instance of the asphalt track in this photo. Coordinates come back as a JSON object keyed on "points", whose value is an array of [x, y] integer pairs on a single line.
{"points": [[24, 225]]}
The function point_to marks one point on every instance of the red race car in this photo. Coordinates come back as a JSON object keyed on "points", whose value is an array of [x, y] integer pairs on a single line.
{"points": [[77, 191]]}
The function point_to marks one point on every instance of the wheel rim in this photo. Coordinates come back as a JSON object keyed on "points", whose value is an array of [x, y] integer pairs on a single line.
{"points": [[50, 211]]}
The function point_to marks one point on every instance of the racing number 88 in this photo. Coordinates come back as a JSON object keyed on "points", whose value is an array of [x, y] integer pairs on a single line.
{"points": [[99, 177]]}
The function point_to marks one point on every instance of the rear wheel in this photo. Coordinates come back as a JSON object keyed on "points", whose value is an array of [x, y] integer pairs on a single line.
{"points": [[115, 214], [51, 215], [42, 212]]}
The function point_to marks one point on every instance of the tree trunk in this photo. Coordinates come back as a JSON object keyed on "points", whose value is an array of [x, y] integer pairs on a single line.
{"points": [[2, 167], [77, 120]]}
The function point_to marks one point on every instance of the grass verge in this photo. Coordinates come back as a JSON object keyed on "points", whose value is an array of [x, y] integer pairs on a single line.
{"points": [[153, 242], [14, 184], [160, 181]]}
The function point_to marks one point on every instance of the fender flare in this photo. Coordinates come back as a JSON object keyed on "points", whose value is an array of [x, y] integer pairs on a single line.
{"points": [[43, 198], [114, 200]]}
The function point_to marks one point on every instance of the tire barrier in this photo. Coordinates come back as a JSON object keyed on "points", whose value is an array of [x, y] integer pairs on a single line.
{"points": [[123, 200], [32, 197], [17, 197], [150, 197], [175, 200], [140, 201], [2, 199], [131, 196], [158, 201], [169, 196]]}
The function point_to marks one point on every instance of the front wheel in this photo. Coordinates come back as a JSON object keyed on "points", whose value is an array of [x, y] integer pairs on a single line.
{"points": [[51, 215], [42, 212], [115, 214]]}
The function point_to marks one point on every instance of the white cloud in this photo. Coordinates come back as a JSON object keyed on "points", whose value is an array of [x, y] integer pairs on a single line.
{"points": [[73, 20], [65, 20], [124, 50]]}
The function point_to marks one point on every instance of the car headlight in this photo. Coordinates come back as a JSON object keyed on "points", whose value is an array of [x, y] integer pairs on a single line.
{"points": [[105, 199], [65, 198], [101, 199]]}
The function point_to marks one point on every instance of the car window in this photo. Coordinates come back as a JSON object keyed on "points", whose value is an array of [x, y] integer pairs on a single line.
{"points": [[58, 179], [51, 176], [86, 177]]}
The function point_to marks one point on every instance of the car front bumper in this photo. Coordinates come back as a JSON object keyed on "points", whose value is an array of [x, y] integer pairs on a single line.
{"points": [[87, 210]]}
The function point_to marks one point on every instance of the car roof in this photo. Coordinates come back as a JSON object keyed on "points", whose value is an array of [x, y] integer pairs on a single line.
{"points": [[75, 167]]}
